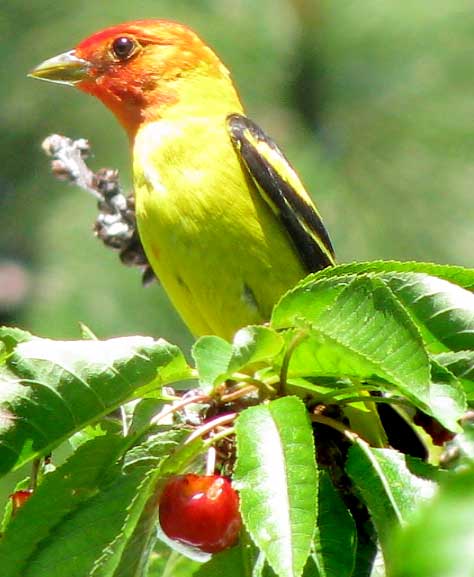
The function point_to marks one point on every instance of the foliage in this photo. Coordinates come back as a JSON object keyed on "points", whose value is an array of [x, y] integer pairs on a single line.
{"points": [[287, 410]]}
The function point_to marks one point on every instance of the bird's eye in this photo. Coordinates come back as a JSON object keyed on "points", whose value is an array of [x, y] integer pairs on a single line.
{"points": [[123, 47]]}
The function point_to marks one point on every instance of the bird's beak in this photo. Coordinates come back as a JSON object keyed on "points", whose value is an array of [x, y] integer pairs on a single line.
{"points": [[65, 68]]}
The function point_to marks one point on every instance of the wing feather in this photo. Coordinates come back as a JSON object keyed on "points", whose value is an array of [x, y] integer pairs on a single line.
{"points": [[283, 191]]}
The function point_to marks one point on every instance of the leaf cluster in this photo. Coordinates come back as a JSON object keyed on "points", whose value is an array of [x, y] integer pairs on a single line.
{"points": [[288, 410]]}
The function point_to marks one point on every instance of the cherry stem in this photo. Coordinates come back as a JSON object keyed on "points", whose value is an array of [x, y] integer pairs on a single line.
{"points": [[258, 384], [228, 397], [210, 426], [295, 341], [175, 407], [227, 432], [211, 461]]}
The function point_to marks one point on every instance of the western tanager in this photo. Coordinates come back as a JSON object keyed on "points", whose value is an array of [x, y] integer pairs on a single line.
{"points": [[224, 219]]}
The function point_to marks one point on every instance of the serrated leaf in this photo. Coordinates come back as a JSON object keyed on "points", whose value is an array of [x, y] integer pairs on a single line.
{"points": [[136, 553], [336, 538], [447, 402], [438, 542], [390, 490], [366, 333], [276, 475], [113, 518], [96, 514], [460, 364], [160, 442], [62, 493], [459, 275], [307, 301], [443, 311], [51, 389], [439, 298]]}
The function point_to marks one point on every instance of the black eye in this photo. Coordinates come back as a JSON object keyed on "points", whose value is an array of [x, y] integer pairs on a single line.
{"points": [[123, 47]]}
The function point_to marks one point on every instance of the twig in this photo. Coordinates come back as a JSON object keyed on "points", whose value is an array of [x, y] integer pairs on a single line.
{"points": [[115, 225]]}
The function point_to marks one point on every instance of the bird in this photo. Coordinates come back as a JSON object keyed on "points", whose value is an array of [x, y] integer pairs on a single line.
{"points": [[224, 219]]}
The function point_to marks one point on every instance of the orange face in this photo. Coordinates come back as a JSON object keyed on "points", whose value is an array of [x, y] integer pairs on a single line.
{"points": [[131, 67]]}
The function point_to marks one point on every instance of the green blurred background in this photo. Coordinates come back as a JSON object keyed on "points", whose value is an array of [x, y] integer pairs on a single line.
{"points": [[372, 100]]}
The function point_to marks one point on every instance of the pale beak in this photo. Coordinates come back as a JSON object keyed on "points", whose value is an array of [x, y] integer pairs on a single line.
{"points": [[65, 68]]}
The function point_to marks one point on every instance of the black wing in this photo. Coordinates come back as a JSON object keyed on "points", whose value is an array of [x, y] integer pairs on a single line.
{"points": [[283, 191]]}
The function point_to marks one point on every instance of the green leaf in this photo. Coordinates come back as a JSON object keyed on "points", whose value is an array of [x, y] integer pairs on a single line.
{"points": [[254, 344], [438, 298], [276, 475], [96, 514], [231, 563], [391, 492], [39, 526], [460, 364], [336, 539], [143, 413], [307, 301], [51, 389], [216, 359], [161, 441], [443, 311], [438, 542], [212, 356], [447, 401], [365, 333], [459, 275], [177, 566], [114, 516], [10, 337], [135, 556]]}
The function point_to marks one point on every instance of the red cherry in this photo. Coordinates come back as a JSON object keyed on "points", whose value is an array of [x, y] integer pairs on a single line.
{"points": [[201, 511], [19, 498]]}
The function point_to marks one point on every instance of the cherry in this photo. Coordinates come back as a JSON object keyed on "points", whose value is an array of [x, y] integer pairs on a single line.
{"points": [[19, 498], [201, 511]]}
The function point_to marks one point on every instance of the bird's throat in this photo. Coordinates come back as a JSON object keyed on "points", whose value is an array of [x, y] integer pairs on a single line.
{"points": [[138, 101]]}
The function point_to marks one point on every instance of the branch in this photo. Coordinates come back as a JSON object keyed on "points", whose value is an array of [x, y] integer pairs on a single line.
{"points": [[115, 225]]}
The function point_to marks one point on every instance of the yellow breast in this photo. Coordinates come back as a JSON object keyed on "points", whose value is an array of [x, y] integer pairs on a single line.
{"points": [[220, 253]]}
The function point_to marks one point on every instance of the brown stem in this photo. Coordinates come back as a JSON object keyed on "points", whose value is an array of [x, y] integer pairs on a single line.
{"points": [[175, 407], [210, 426]]}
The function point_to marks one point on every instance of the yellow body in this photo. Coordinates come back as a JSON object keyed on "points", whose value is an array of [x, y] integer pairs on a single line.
{"points": [[225, 239], [216, 246]]}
